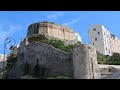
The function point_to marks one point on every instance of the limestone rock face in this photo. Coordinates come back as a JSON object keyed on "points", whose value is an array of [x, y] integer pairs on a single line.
{"points": [[52, 30]]}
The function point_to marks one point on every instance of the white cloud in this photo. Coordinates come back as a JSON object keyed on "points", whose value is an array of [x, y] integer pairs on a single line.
{"points": [[54, 16], [9, 30], [71, 22]]}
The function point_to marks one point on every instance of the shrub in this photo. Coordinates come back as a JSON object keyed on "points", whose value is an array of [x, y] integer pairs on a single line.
{"points": [[53, 42], [60, 77], [11, 60], [38, 38], [115, 59], [110, 60], [102, 59]]}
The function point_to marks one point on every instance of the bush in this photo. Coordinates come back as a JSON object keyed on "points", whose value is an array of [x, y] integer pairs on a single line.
{"points": [[60, 77], [110, 60], [37, 38], [28, 77], [115, 59], [1, 77], [12, 59], [53, 42], [102, 59]]}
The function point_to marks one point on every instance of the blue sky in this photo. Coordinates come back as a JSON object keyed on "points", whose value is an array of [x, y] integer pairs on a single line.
{"points": [[15, 23]]}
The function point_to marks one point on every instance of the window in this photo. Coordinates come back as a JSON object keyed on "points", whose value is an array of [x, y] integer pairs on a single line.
{"points": [[106, 48], [94, 29], [98, 33], [95, 39], [93, 44]]}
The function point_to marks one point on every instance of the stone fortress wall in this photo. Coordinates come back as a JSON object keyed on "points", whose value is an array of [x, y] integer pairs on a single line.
{"points": [[85, 62], [56, 61], [80, 64]]}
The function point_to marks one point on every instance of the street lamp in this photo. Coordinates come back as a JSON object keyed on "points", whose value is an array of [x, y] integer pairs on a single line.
{"points": [[8, 40]]}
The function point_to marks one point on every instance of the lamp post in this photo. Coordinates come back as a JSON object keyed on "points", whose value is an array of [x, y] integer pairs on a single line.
{"points": [[8, 40]]}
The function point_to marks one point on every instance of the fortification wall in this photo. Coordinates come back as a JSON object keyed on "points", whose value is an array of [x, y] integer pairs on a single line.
{"points": [[80, 64], [56, 62], [85, 62]]}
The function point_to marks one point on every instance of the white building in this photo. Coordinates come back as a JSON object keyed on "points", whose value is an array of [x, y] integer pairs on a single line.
{"points": [[100, 37], [78, 37], [2, 57]]}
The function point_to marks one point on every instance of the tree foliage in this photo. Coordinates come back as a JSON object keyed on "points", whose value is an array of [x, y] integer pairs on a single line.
{"points": [[59, 44], [110, 60], [115, 59], [102, 59], [11, 60]]}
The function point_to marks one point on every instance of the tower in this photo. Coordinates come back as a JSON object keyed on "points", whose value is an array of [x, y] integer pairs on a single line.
{"points": [[85, 62]]}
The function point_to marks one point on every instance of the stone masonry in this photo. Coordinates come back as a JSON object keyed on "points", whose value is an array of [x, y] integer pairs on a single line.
{"points": [[80, 64], [56, 62], [85, 62]]}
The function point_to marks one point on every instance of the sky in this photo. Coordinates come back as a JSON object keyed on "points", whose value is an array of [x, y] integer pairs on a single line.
{"points": [[15, 23]]}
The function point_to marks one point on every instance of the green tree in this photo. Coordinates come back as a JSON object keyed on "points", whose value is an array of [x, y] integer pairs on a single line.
{"points": [[102, 59], [115, 59], [59, 44], [11, 60]]}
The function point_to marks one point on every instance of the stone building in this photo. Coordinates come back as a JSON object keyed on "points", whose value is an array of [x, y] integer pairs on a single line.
{"points": [[52, 30], [2, 57]]}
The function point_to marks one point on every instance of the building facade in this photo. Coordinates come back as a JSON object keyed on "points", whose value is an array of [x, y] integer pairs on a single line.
{"points": [[52, 30], [115, 44], [78, 37], [103, 40], [2, 57]]}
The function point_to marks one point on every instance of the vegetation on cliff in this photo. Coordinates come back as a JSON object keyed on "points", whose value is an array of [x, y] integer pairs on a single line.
{"points": [[11, 60], [59, 44], [110, 60], [60, 77]]}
